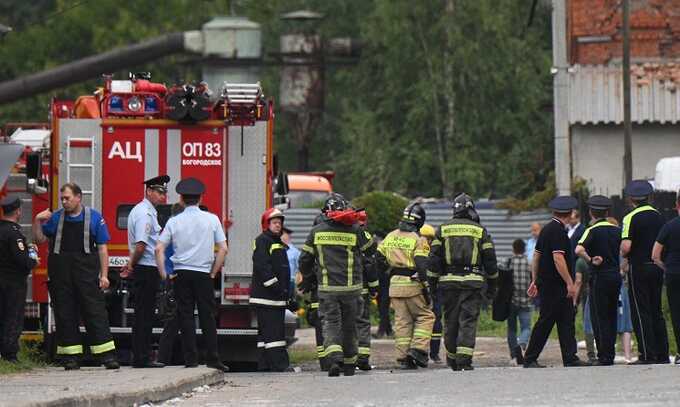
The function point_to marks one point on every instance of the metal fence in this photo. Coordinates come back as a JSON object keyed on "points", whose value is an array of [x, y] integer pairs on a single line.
{"points": [[503, 227]]}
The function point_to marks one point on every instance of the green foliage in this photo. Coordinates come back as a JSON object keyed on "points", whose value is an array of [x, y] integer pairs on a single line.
{"points": [[448, 95], [537, 200], [384, 210], [30, 357]]}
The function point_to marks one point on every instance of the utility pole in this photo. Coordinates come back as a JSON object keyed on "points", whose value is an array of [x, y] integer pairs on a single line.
{"points": [[561, 98], [627, 125]]}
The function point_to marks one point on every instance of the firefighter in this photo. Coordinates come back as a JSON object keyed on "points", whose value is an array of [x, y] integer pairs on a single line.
{"points": [[78, 272], [336, 246], [314, 316], [599, 247], [269, 292], [369, 291], [462, 260], [403, 254], [640, 229], [143, 231], [16, 261], [194, 234], [427, 231]]}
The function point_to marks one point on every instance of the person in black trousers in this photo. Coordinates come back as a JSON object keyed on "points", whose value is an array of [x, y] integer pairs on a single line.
{"points": [[599, 247], [666, 255], [641, 227], [385, 324], [553, 282]]}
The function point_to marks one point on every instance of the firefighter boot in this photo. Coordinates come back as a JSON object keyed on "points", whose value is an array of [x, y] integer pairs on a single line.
{"points": [[334, 370], [71, 364], [419, 357], [451, 362], [464, 363], [323, 363], [364, 364], [348, 369], [407, 364]]}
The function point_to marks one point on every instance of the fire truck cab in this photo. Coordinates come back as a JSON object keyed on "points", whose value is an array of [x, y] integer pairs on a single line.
{"points": [[135, 129]]}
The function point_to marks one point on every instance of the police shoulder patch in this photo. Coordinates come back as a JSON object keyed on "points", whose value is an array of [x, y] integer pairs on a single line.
{"points": [[20, 244], [147, 228]]}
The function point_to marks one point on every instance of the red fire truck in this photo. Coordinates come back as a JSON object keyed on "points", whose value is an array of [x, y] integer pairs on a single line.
{"points": [[132, 130]]}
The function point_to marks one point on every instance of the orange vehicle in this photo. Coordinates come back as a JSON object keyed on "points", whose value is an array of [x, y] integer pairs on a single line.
{"points": [[308, 188]]}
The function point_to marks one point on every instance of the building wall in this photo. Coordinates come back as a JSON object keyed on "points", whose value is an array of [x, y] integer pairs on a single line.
{"points": [[595, 30], [597, 153]]}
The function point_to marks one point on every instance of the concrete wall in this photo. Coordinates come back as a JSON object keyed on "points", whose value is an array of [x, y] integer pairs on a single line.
{"points": [[597, 153]]}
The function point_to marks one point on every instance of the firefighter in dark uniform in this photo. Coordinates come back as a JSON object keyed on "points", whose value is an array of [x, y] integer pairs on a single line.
{"points": [[143, 231], [462, 259], [314, 316], [336, 246], [269, 292], [552, 279], [78, 267], [599, 247], [16, 261], [369, 291], [640, 228], [194, 234]]}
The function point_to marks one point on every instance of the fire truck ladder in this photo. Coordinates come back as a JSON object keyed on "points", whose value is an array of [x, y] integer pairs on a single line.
{"points": [[79, 170], [242, 103]]}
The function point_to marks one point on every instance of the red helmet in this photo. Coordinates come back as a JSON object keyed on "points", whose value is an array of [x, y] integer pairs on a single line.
{"points": [[270, 214]]}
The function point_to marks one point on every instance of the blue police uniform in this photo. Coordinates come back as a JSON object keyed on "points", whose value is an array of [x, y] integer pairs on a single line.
{"points": [[143, 227], [669, 237], [73, 270], [193, 235], [603, 239], [641, 227]]}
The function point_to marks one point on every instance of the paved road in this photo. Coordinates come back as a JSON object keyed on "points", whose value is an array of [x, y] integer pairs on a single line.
{"points": [[602, 386]]}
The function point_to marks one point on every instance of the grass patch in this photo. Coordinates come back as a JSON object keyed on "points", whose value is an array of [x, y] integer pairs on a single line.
{"points": [[30, 357], [297, 355]]}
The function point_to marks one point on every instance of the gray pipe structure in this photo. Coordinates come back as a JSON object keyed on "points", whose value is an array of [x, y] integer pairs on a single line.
{"points": [[96, 65]]}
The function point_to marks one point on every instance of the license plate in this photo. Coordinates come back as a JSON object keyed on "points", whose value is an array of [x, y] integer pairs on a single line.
{"points": [[117, 261]]}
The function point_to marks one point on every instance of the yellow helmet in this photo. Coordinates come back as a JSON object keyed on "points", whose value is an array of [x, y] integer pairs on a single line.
{"points": [[427, 231]]}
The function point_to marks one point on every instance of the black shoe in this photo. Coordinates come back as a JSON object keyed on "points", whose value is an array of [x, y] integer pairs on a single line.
{"points": [[577, 363], [334, 370], [148, 365], [191, 365], [602, 363], [218, 366], [11, 359], [378, 335], [452, 364], [71, 365], [364, 365], [418, 356], [461, 368], [533, 365], [436, 359], [407, 364], [111, 364], [662, 361], [519, 357], [323, 364], [348, 369]]}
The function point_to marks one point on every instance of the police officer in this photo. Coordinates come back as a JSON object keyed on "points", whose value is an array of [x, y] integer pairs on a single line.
{"points": [[193, 235], [369, 291], [427, 231], [640, 229], [78, 267], [269, 292], [143, 231], [666, 254], [552, 279], [403, 254], [16, 261], [336, 246], [462, 259], [599, 247]]}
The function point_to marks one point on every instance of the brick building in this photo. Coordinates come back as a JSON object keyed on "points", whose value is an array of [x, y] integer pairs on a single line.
{"points": [[593, 92]]}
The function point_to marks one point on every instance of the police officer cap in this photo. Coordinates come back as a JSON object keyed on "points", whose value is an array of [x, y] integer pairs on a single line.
{"points": [[599, 202], [190, 186], [159, 183], [10, 203], [563, 204], [639, 188]]}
